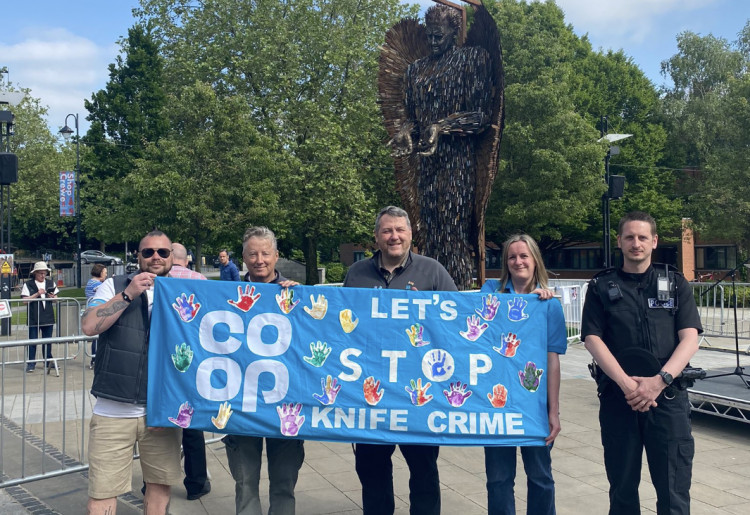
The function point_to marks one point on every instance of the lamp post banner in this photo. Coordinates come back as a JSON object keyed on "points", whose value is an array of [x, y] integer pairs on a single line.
{"points": [[67, 193], [349, 364]]}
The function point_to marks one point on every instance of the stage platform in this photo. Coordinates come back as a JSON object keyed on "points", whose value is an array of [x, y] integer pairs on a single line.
{"points": [[726, 396]]}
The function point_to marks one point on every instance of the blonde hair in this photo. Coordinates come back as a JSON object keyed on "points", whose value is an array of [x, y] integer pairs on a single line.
{"points": [[540, 271]]}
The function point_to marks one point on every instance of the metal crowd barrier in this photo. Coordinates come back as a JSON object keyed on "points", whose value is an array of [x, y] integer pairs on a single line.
{"points": [[716, 309]]}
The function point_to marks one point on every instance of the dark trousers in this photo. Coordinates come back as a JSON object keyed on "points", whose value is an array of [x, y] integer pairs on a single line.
{"points": [[35, 332], [194, 447], [664, 432], [375, 471]]}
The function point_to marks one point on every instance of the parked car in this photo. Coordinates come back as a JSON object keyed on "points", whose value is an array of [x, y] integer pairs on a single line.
{"points": [[95, 256]]}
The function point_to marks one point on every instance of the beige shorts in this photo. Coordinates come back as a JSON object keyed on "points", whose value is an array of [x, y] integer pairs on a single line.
{"points": [[111, 445]]}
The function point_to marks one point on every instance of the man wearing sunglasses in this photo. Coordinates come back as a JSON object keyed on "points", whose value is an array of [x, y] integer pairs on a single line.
{"points": [[120, 313]]}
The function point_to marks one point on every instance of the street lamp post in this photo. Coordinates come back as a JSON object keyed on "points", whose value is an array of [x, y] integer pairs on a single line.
{"points": [[67, 132], [614, 184]]}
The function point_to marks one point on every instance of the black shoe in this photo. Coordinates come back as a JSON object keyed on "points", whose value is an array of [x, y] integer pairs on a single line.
{"points": [[198, 495], [29, 370]]}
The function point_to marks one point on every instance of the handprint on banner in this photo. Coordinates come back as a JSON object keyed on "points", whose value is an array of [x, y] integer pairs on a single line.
{"points": [[221, 419], [330, 391], [417, 392], [319, 307], [286, 301], [186, 307], [508, 346], [515, 309], [457, 394], [245, 300], [474, 328], [436, 361], [530, 376], [289, 417], [370, 389], [348, 320], [416, 335], [184, 416], [182, 357], [499, 396], [490, 303], [320, 352]]}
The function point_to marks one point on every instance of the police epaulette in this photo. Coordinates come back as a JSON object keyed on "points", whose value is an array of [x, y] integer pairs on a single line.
{"points": [[603, 273]]}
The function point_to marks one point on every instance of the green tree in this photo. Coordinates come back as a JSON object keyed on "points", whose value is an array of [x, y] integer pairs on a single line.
{"points": [[706, 114], [35, 217], [307, 69], [124, 116], [211, 176]]}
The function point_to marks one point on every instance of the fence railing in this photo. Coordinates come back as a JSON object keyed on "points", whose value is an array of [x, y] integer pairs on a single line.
{"points": [[717, 310]]}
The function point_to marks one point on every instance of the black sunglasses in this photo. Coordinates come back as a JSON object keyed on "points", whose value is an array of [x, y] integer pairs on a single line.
{"points": [[163, 253]]}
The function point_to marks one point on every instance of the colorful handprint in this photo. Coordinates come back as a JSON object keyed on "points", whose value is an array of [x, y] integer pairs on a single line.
{"points": [[416, 335], [320, 352], [289, 418], [490, 303], [186, 307], [319, 307], [184, 416], [457, 394], [508, 346], [515, 309], [499, 396], [221, 419], [330, 391], [474, 328], [348, 320], [285, 300], [417, 392], [245, 300], [530, 376], [370, 388], [182, 357]]}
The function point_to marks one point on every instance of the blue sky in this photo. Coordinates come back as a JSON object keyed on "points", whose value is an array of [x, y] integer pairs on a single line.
{"points": [[60, 50]]}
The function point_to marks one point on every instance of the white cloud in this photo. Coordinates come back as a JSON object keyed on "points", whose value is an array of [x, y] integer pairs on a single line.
{"points": [[60, 68], [632, 21]]}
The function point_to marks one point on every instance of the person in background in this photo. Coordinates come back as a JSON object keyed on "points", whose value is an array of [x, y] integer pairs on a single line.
{"points": [[227, 269], [193, 441], [98, 276], [41, 313], [524, 272]]}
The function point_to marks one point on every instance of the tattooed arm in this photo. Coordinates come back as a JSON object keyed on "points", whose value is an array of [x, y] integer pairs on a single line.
{"points": [[101, 317]]}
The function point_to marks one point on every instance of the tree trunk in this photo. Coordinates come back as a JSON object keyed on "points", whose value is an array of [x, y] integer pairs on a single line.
{"points": [[309, 244]]}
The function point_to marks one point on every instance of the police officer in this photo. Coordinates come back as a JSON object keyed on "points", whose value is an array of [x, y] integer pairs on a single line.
{"points": [[650, 309]]}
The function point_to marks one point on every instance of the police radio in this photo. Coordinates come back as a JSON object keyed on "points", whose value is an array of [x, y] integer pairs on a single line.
{"points": [[663, 288]]}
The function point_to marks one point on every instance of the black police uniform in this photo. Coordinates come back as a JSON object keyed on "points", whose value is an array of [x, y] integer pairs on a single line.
{"points": [[624, 311]]}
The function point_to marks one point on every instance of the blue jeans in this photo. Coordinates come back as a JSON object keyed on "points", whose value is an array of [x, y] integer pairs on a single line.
{"points": [[285, 457], [34, 333], [500, 464]]}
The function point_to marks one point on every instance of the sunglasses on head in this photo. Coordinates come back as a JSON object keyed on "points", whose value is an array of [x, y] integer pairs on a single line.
{"points": [[163, 253]]}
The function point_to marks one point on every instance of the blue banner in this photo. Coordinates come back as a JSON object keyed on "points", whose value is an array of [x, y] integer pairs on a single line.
{"points": [[67, 193], [348, 364]]}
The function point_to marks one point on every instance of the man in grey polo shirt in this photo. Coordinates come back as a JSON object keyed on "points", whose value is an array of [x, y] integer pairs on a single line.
{"points": [[395, 266]]}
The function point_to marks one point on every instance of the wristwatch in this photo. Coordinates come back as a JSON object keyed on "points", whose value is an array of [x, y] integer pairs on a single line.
{"points": [[127, 299], [666, 377]]}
